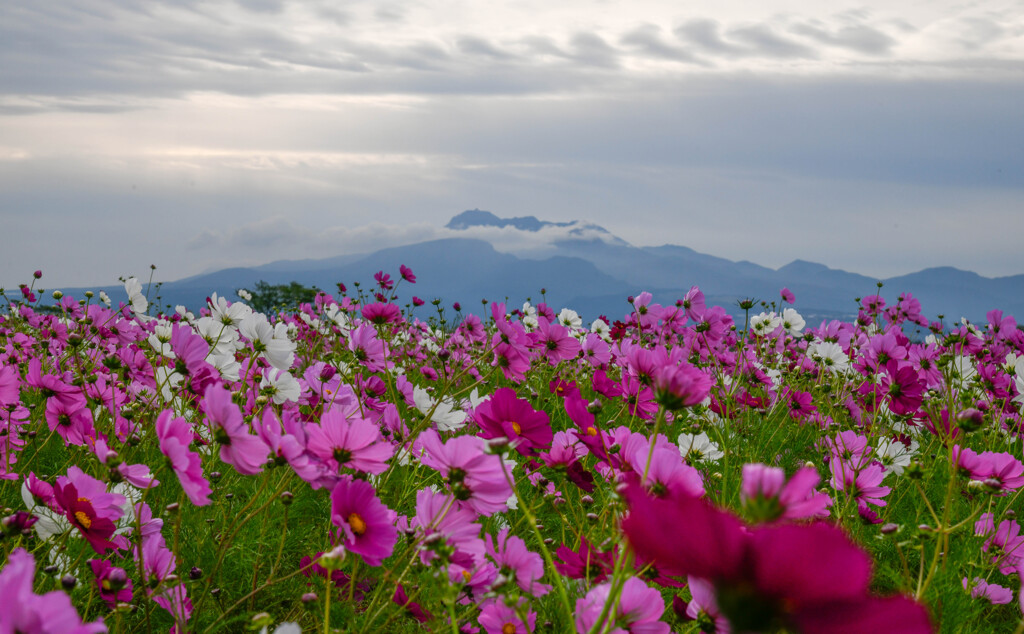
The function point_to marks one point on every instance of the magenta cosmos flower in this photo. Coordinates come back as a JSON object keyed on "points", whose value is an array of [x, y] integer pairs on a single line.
{"points": [[806, 578], [25, 612], [175, 436], [89, 507], [504, 415], [366, 526]]}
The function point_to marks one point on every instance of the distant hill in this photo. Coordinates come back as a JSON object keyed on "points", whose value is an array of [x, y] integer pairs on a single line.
{"points": [[594, 271]]}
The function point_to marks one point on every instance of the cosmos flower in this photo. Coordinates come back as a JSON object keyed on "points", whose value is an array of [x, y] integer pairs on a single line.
{"points": [[365, 526], [809, 578], [25, 612], [504, 415]]}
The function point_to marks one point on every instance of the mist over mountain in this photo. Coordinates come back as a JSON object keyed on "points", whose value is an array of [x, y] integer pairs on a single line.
{"points": [[583, 266]]}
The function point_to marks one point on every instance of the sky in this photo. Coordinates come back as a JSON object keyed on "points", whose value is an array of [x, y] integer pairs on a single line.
{"points": [[877, 137]]}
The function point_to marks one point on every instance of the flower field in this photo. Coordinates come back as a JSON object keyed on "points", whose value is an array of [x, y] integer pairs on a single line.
{"points": [[355, 465]]}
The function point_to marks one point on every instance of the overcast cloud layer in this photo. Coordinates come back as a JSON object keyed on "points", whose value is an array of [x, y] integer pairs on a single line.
{"points": [[877, 137]]}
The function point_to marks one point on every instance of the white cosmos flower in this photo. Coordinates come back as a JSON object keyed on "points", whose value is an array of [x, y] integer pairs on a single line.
{"points": [[601, 329], [160, 340], [699, 447], [963, 367], [447, 416], [50, 522], [765, 323], [569, 317], [529, 316], [271, 343], [221, 336], [792, 322], [225, 314], [105, 298], [895, 456], [244, 294], [282, 386], [133, 287], [830, 355], [226, 363]]}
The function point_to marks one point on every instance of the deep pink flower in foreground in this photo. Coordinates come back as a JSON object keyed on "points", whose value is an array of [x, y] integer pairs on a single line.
{"points": [[504, 415], [366, 526], [639, 610], [24, 612], [807, 578]]}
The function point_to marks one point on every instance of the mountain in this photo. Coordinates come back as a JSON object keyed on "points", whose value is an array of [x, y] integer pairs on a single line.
{"points": [[587, 268]]}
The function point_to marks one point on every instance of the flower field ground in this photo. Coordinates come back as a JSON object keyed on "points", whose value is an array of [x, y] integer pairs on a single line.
{"points": [[354, 465]]}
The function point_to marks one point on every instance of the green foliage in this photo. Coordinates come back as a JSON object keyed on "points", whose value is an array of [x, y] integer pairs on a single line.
{"points": [[274, 298]]}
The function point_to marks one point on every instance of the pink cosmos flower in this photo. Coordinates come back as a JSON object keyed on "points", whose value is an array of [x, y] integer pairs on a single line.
{"points": [[175, 435], [787, 295], [368, 349], [638, 612], [556, 342], [240, 449], [586, 562], [498, 618], [810, 578], [366, 526], [703, 607], [113, 583], [517, 563], [504, 415], [994, 594], [407, 274], [353, 443], [25, 612], [1001, 471], [681, 386], [766, 496], [474, 476], [439, 515], [381, 313], [1005, 541]]}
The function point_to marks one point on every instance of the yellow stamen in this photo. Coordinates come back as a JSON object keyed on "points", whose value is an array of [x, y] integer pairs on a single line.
{"points": [[508, 628], [356, 523], [83, 519], [466, 575], [516, 428], [591, 431]]}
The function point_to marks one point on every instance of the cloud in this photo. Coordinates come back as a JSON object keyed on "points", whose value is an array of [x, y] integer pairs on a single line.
{"points": [[860, 38], [647, 39]]}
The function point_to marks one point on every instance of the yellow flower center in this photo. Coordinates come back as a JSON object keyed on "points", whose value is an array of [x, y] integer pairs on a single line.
{"points": [[591, 431], [508, 628], [516, 428], [356, 523], [83, 519], [466, 575]]}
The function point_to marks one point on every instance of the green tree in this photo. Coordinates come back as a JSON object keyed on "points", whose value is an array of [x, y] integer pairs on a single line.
{"points": [[272, 298]]}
